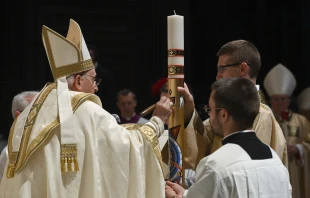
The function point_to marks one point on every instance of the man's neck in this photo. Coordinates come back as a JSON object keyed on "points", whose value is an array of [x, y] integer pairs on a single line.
{"points": [[285, 115], [231, 127], [133, 119], [128, 116], [239, 131], [253, 80]]}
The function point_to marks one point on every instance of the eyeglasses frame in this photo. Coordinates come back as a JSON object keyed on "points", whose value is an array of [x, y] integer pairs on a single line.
{"points": [[96, 81], [221, 68]]}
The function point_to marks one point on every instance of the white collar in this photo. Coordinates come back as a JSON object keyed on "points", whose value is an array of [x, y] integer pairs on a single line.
{"points": [[245, 131], [126, 118]]}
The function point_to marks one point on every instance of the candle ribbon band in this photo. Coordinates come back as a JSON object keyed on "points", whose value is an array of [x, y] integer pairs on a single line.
{"points": [[175, 52], [175, 69]]}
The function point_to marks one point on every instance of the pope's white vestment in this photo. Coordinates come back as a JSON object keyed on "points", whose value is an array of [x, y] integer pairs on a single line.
{"points": [[114, 161]]}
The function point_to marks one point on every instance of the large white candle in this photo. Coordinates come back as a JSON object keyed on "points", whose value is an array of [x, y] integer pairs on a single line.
{"points": [[175, 80], [176, 42]]}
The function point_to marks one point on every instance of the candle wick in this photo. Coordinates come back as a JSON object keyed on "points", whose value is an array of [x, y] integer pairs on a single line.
{"points": [[174, 12]]}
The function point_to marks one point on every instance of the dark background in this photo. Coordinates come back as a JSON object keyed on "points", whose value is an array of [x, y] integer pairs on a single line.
{"points": [[131, 36]]}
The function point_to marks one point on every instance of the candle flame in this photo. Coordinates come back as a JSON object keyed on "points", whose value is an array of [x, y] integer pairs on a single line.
{"points": [[174, 12]]}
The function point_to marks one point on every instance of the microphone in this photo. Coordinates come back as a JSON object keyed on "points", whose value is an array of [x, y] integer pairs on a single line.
{"points": [[118, 120]]}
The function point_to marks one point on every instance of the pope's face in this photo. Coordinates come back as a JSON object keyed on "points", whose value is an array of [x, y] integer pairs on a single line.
{"points": [[88, 83]]}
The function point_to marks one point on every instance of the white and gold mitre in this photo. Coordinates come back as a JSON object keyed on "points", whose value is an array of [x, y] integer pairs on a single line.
{"points": [[279, 80], [68, 55], [303, 99]]}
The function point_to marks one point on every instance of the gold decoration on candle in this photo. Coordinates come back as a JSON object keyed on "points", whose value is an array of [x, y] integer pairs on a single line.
{"points": [[175, 69], [175, 52]]}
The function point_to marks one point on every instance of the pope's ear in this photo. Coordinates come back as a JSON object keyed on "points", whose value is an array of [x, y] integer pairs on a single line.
{"points": [[17, 113], [77, 84]]}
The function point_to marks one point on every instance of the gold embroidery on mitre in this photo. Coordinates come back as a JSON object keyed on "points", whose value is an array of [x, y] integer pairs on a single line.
{"points": [[75, 68]]}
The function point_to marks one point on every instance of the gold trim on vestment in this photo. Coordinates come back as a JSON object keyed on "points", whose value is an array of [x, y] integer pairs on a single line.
{"points": [[198, 124], [24, 153], [16, 160], [262, 97], [150, 135], [12, 155], [68, 158], [257, 117]]}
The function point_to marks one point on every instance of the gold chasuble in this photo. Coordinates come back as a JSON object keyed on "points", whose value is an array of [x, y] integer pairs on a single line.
{"points": [[297, 132]]}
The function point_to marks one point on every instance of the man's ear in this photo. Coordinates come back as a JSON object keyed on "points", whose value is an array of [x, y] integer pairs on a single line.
{"points": [[224, 115], [77, 84], [244, 69]]}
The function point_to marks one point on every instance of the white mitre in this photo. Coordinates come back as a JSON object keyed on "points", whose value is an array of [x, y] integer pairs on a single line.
{"points": [[279, 80], [303, 99], [66, 56]]}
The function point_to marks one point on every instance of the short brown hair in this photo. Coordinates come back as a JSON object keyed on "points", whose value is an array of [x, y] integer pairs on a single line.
{"points": [[242, 51], [239, 97]]}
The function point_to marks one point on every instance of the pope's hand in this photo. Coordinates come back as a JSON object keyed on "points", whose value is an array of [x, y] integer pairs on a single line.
{"points": [[163, 109]]}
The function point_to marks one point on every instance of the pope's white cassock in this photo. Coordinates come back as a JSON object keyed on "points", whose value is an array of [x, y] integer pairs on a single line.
{"points": [[86, 154]]}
